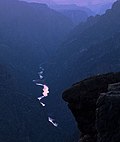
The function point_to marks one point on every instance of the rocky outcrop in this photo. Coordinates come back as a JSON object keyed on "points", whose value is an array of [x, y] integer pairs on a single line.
{"points": [[85, 97], [108, 115]]}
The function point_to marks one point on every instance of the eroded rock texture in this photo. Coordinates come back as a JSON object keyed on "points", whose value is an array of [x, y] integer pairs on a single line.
{"points": [[108, 115], [82, 98]]}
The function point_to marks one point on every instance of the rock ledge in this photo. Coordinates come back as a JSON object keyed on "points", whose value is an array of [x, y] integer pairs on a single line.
{"points": [[95, 104]]}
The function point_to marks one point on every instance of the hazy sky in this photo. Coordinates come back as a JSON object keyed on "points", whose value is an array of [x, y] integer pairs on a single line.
{"points": [[79, 2], [83, 1]]}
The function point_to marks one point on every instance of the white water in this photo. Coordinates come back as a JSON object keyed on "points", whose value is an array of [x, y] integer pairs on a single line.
{"points": [[45, 93]]}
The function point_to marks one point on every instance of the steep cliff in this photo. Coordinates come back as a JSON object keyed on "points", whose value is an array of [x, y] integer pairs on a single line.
{"points": [[97, 114], [92, 48], [108, 115]]}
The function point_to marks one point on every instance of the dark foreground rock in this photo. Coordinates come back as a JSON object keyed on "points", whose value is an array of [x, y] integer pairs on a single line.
{"points": [[85, 97], [108, 115]]}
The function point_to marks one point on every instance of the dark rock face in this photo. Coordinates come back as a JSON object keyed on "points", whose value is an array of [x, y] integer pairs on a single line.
{"points": [[108, 115], [82, 98]]}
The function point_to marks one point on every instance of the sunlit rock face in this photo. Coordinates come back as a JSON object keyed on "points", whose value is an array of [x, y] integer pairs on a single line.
{"points": [[82, 98]]}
